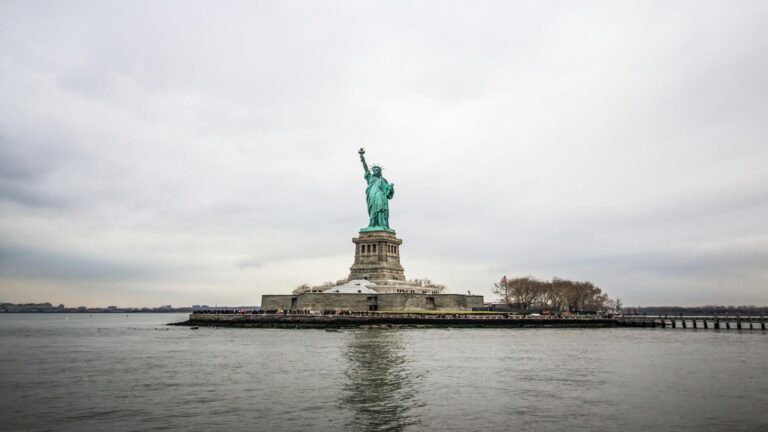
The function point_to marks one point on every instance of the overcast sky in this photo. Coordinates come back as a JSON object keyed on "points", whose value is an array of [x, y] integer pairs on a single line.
{"points": [[206, 152]]}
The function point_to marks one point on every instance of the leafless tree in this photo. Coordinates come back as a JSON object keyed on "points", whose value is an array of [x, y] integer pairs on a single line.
{"points": [[427, 283], [558, 294], [503, 290], [301, 289]]}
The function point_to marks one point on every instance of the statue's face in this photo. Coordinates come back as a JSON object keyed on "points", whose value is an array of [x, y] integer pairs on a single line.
{"points": [[376, 171]]}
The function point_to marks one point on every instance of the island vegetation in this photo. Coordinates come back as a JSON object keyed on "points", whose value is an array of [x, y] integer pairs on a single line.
{"points": [[556, 295]]}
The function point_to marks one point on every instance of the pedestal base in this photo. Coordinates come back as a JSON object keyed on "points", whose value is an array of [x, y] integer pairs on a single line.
{"points": [[377, 256]]}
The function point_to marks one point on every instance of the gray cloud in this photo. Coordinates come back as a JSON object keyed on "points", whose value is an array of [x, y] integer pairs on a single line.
{"points": [[23, 172], [28, 263], [191, 154]]}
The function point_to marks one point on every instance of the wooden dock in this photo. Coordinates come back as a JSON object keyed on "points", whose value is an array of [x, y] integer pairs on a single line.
{"points": [[718, 322]]}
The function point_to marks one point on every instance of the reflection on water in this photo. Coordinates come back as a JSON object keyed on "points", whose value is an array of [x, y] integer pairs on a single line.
{"points": [[380, 385], [116, 373]]}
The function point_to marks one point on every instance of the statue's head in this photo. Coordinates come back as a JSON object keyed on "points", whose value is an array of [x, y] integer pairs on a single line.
{"points": [[376, 170]]}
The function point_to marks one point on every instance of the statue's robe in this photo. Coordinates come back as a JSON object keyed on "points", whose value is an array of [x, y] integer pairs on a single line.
{"points": [[377, 194]]}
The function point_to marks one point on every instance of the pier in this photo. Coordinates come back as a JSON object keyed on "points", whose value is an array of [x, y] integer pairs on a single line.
{"points": [[717, 322]]}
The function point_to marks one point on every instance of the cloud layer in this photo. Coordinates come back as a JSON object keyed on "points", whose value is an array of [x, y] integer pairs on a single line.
{"points": [[178, 152]]}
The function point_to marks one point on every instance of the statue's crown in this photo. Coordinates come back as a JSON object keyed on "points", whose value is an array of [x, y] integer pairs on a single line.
{"points": [[381, 168]]}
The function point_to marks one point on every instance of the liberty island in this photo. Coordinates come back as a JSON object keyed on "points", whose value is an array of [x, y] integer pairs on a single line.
{"points": [[376, 292], [376, 283]]}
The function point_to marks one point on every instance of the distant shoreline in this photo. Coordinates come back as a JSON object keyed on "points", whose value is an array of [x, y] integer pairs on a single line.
{"points": [[186, 310], [47, 307]]}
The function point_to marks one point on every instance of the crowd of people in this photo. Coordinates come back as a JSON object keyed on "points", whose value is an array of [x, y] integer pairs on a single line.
{"points": [[278, 312]]}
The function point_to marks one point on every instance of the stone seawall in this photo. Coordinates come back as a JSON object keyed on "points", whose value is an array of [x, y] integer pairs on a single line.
{"points": [[410, 320], [370, 302]]}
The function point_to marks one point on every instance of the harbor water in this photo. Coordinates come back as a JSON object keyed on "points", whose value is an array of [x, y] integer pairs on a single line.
{"points": [[118, 372]]}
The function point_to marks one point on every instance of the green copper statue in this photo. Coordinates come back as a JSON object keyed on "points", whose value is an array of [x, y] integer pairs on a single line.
{"points": [[377, 194]]}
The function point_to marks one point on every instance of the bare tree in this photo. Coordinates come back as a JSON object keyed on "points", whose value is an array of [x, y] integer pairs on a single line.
{"points": [[557, 295], [301, 289], [427, 283], [503, 290]]}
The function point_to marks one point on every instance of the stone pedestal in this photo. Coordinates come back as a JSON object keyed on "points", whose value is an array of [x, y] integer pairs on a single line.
{"points": [[377, 257]]}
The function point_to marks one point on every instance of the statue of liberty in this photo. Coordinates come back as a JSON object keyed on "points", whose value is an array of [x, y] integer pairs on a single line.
{"points": [[377, 194]]}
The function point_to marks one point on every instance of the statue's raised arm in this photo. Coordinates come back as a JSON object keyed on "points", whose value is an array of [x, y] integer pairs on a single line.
{"points": [[362, 159]]}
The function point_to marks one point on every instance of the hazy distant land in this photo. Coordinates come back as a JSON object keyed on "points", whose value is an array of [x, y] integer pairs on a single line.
{"points": [[49, 308]]}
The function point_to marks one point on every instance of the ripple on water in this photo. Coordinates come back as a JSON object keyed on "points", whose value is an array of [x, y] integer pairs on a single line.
{"points": [[121, 373]]}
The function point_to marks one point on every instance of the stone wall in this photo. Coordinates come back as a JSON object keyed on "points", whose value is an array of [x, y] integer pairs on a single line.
{"points": [[365, 302], [388, 320]]}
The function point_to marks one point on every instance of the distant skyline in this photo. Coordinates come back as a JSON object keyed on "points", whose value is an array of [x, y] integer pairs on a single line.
{"points": [[187, 153]]}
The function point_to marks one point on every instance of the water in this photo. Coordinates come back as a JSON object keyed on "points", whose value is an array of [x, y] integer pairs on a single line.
{"points": [[132, 373]]}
